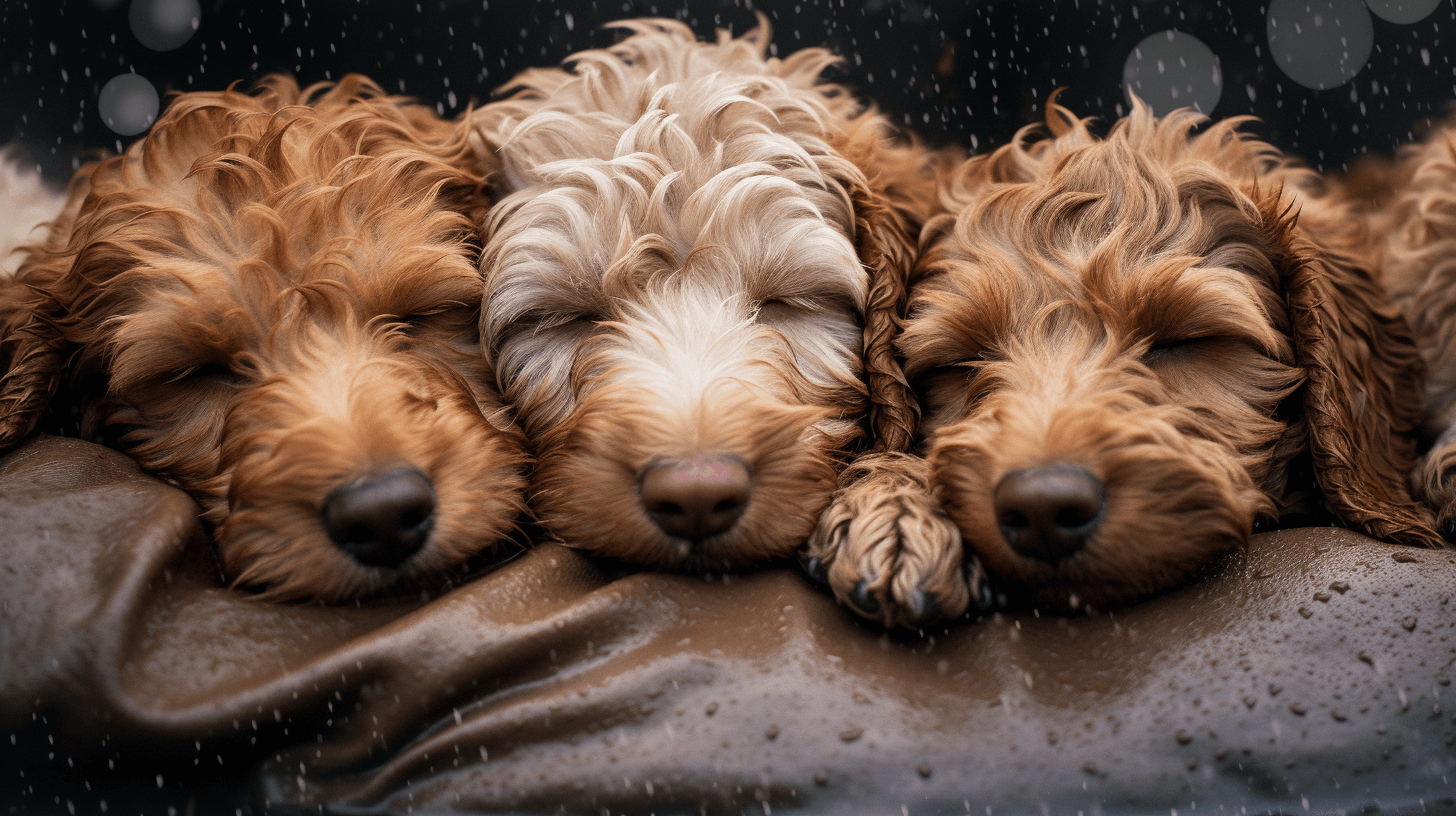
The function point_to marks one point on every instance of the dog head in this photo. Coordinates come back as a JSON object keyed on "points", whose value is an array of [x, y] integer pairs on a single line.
{"points": [[1125, 345], [279, 295], [677, 278]]}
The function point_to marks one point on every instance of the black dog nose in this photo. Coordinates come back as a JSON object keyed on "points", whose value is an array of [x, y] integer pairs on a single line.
{"points": [[382, 520], [1047, 512], [697, 497]]}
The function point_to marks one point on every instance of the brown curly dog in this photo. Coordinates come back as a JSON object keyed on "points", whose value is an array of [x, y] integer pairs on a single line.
{"points": [[1128, 349], [272, 301]]}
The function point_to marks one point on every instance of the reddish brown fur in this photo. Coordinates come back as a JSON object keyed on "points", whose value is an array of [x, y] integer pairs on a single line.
{"points": [[280, 293], [1166, 310], [1411, 207]]}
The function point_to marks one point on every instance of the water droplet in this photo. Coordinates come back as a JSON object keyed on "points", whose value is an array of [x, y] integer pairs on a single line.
{"points": [[851, 734], [1322, 597], [712, 708], [1340, 587], [1408, 623], [1298, 708], [1183, 737], [772, 732], [924, 770]]}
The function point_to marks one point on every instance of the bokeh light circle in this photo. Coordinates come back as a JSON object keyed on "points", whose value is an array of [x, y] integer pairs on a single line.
{"points": [[163, 25], [1171, 70], [1403, 12], [128, 104], [1320, 44]]}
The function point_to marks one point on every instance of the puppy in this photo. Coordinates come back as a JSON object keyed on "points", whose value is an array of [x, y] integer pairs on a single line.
{"points": [[272, 301], [1411, 205], [1128, 351], [678, 270]]}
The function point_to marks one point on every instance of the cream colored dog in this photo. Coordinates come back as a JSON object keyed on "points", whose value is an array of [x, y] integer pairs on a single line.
{"points": [[687, 241]]}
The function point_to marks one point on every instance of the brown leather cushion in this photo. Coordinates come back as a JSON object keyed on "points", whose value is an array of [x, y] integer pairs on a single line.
{"points": [[1308, 671]]}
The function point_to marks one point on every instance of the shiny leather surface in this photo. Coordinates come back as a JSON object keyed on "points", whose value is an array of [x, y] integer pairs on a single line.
{"points": [[1310, 672]]}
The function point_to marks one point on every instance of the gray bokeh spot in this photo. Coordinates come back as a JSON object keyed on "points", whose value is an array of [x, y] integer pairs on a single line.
{"points": [[128, 104], [1320, 44], [163, 25], [1171, 70], [1403, 12]]}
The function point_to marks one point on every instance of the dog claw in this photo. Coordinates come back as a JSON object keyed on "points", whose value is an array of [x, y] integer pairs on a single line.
{"points": [[921, 608], [816, 570], [863, 600], [983, 595], [1448, 529]]}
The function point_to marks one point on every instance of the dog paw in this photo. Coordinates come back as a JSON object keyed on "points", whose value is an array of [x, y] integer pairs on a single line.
{"points": [[887, 551], [1437, 482]]}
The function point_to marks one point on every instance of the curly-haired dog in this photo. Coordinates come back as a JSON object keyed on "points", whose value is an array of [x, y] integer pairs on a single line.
{"points": [[277, 296], [1128, 350], [677, 276], [1413, 221]]}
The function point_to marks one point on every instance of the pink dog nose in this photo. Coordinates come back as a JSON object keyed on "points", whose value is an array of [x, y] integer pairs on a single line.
{"points": [[1047, 512], [381, 520], [697, 497]]}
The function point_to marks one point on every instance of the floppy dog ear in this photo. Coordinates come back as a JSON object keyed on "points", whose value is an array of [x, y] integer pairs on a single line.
{"points": [[895, 200], [1362, 391], [33, 354]]}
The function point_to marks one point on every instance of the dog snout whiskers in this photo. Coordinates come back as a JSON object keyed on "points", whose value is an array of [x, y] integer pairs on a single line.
{"points": [[697, 497], [1047, 512], [382, 520]]}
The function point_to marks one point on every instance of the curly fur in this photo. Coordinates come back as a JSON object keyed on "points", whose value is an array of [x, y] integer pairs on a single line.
{"points": [[695, 252], [1411, 204], [1174, 312], [277, 295]]}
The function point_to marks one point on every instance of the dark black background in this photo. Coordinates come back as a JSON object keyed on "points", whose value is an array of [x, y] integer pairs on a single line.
{"points": [[968, 72]]}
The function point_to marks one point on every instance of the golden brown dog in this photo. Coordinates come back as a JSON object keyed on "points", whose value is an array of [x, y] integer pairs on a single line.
{"points": [[1128, 350], [1411, 203], [677, 277], [278, 295]]}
